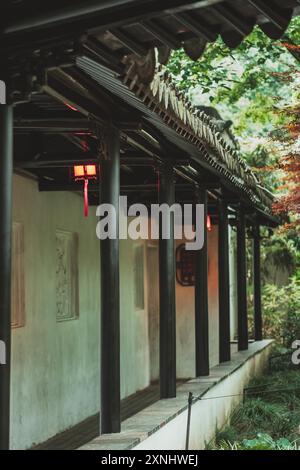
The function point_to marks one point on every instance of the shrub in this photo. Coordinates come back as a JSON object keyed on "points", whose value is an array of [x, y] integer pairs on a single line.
{"points": [[260, 442], [266, 422], [281, 312]]}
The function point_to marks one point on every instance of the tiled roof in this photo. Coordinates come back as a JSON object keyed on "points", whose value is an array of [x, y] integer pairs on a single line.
{"points": [[197, 128]]}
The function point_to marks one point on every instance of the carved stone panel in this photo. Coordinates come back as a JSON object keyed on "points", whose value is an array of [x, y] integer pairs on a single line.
{"points": [[139, 294], [18, 277], [66, 275]]}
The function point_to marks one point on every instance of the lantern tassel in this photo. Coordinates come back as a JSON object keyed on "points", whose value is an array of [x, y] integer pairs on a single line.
{"points": [[86, 198]]}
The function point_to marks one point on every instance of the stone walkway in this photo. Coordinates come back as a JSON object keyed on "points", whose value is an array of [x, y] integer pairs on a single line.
{"points": [[143, 424]]}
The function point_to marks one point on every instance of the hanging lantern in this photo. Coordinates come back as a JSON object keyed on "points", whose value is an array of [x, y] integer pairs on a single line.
{"points": [[208, 223], [85, 173]]}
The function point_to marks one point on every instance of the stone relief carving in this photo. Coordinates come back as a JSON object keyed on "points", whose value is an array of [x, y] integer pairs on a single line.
{"points": [[66, 275]]}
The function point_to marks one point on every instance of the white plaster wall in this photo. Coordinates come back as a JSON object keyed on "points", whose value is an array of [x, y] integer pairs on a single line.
{"points": [[213, 296], [185, 315], [55, 365], [135, 362], [185, 329], [207, 415], [153, 308]]}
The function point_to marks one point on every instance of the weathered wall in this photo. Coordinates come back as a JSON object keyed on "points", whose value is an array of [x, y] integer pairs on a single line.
{"points": [[213, 296], [185, 329], [55, 365], [185, 315], [135, 364]]}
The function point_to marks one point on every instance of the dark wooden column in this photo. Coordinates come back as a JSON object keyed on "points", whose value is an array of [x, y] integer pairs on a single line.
{"points": [[242, 282], [201, 298], [257, 283], [167, 330], [110, 297], [224, 292], [6, 172]]}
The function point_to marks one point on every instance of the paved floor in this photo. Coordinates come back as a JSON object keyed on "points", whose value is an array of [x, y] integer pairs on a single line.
{"points": [[89, 429]]}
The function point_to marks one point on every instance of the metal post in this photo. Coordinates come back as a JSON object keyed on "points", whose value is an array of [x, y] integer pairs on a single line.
{"points": [[167, 291], [201, 299], [224, 292], [110, 297], [6, 172], [188, 426], [242, 282], [257, 284]]}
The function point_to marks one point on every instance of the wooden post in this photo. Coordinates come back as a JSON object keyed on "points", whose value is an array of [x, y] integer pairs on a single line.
{"points": [[110, 297], [201, 298], [257, 283], [224, 292], [167, 328], [242, 282], [6, 175]]}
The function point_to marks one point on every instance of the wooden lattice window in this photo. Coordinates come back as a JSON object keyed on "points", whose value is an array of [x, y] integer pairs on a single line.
{"points": [[66, 276], [185, 266], [139, 290], [18, 277]]}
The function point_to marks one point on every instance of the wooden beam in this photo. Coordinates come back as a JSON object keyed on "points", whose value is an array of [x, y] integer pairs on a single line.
{"points": [[52, 125], [162, 35], [167, 328], [257, 284], [201, 298], [129, 42], [269, 9], [110, 292], [57, 161], [240, 25], [197, 27], [242, 282]]}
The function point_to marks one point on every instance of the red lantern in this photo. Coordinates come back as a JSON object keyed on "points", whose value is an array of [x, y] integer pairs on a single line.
{"points": [[85, 173], [208, 223]]}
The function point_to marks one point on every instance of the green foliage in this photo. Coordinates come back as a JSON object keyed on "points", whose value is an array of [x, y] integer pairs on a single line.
{"points": [[280, 251], [281, 312], [280, 303], [233, 74], [265, 442], [257, 415], [269, 421], [247, 84], [260, 442]]}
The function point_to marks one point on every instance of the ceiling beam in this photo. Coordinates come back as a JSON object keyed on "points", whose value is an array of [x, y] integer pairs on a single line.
{"points": [[95, 14], [52, 125], [162, 35], [277, 16], [58, 161], [197, 27], [36, 27], [93, 186], [67, 160], [235, 21]]}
